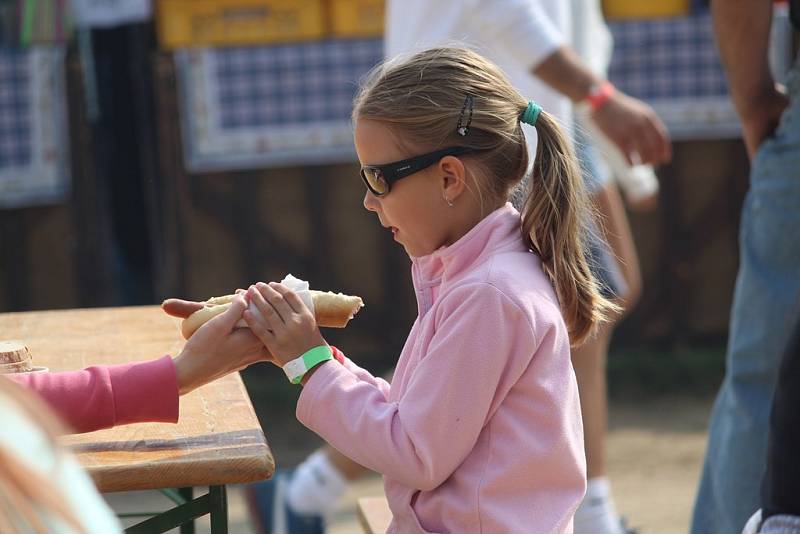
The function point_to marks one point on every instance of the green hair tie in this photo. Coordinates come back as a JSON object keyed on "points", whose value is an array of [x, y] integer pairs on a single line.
{"points": [[531, 113]]}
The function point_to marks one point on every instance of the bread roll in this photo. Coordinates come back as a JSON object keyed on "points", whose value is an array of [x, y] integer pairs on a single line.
{"points": [[14, 351], [332, 310], [15, 357]]}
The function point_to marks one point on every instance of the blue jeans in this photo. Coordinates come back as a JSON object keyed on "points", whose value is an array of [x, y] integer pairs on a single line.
{"points": [[767, 289]]}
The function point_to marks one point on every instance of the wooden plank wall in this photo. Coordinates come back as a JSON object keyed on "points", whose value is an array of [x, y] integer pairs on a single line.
{"points": [[688, 247]]}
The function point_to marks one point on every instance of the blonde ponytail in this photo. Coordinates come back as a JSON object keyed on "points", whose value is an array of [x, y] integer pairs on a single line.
{"points": [[555, 218]]}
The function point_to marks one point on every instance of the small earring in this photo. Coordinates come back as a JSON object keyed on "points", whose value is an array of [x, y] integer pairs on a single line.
{"points": [[449, 202]]}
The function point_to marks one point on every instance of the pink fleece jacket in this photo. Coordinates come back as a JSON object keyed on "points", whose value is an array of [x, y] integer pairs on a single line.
{"points": [[480, 429], [106, 396]]}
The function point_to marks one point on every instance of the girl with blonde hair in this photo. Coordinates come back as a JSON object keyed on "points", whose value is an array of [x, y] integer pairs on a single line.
{"points": [[480, 429]]}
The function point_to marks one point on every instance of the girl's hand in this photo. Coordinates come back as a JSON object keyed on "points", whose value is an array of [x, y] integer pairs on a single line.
{"points": [[218, 348], [282, 322]]}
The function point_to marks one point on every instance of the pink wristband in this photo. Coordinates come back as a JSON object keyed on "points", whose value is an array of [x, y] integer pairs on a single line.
{"points": [[599, 95], [337, 355]]}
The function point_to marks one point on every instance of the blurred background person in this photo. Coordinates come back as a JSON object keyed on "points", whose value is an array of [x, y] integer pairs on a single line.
{"points": [[768, 285], [42, 487], [780, 488]]}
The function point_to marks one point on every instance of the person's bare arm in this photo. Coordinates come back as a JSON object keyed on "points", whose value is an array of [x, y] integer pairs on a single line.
{"points": [[564, 71], [631, 124], [742, 29]]}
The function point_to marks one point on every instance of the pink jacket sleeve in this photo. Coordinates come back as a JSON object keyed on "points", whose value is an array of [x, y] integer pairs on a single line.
{"points": [[106, 396], [452, 392]]}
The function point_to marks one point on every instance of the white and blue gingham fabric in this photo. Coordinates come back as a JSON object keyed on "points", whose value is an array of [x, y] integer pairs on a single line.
{"points": [[34, 148], [290, 104], [673, 65], [273, 105], [664, 59], [15, 109]]}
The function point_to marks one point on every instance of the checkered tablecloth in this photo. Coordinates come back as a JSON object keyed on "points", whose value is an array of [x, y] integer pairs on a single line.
{"points": [[15, 109], [33, 139], [673, 65], [271, 105], [290, 104], [665, 59]]}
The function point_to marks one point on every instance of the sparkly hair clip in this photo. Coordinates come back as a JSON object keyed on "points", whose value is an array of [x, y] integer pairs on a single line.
{"points": [[463, 127]]}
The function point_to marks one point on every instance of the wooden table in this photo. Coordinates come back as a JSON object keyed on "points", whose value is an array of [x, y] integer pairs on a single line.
{"points": [[217, 441]]}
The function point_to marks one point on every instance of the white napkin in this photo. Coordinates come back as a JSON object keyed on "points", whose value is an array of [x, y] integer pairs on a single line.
{"points": [[300, 287]]}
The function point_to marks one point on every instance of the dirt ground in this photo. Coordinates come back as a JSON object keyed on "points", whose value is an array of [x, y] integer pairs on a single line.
{"points": [[655, 451]]}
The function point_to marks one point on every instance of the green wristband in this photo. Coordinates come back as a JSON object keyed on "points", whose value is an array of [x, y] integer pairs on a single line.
{"points": [[296, 369]]}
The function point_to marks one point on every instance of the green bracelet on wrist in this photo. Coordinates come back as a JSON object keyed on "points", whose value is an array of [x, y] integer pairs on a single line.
{"points": [[296, 369]]}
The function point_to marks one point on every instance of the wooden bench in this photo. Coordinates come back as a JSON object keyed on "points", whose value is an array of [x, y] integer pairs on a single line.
{"points": [[374, 514]]}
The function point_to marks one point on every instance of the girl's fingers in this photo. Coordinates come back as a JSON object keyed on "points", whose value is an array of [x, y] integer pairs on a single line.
{"points": [[291, 298], [276, 300], [267, 309], [260, 326]]}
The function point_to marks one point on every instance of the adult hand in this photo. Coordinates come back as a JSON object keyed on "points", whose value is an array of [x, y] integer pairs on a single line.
{"points": [[761, 115], [217, 348], [635, 128], [282, 322]]}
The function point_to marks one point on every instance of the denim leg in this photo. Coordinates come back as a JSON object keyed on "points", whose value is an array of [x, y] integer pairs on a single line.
{"points": [[767, 290]]}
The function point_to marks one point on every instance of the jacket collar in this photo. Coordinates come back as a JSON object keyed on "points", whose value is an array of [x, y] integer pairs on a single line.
{"points": [[500, 231]]}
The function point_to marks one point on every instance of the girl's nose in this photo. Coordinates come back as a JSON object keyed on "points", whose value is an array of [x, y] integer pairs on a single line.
{"points": [[370, 202]]}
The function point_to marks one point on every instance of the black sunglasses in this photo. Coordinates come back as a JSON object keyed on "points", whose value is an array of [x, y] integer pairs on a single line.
{"points": [[379, 178]]}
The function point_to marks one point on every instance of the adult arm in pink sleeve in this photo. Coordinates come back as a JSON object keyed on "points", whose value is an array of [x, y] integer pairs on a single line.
{"points": [[105, 396]]}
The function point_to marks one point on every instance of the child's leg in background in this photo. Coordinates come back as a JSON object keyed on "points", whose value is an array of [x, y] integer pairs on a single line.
{"points": [[597, 513], [617, 269], [617, 233], [296, 501], [320, 480], [616, 266]]}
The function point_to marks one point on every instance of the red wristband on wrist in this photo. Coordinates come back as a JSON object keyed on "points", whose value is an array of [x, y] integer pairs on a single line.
{"points": [[598, 96], [337, 355]]}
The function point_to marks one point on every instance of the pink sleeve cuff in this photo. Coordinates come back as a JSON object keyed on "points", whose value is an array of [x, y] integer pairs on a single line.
{"points": [[105, 396], [145, 392], [324, 374]]}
